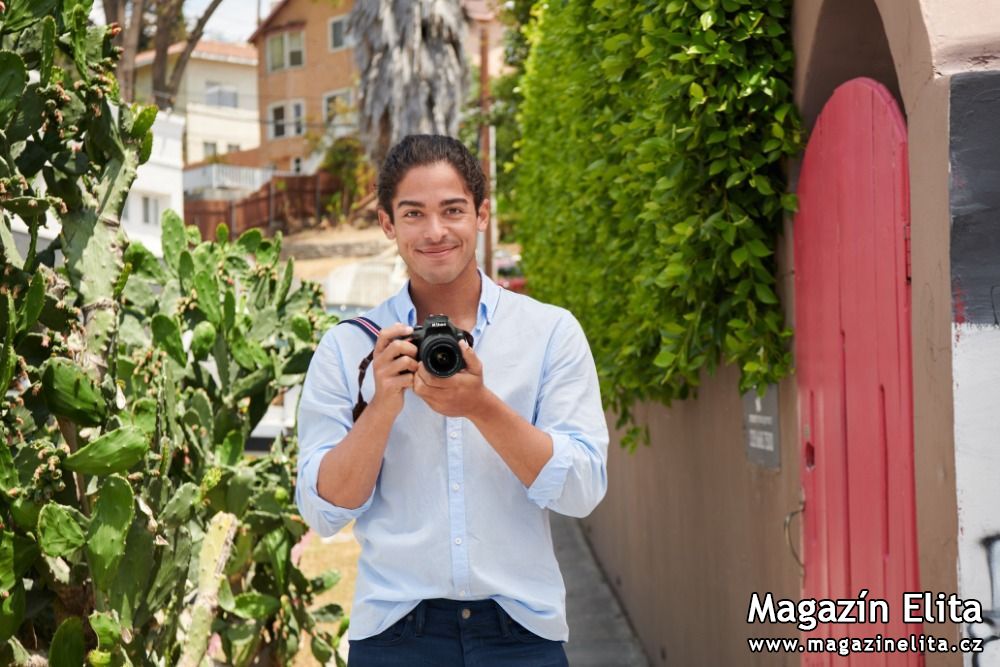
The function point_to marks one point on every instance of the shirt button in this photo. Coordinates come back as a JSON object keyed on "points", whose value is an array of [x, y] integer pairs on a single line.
{"points": [[453, 434], [462, 593], [466, 613], [455, 486], [458, 540]]}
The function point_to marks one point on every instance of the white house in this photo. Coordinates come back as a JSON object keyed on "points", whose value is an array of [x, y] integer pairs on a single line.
{"points": [[217, 95], [159, 183], [157, 187]]}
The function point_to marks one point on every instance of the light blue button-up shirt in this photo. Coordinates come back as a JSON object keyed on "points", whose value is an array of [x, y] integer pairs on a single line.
{"points": [[447, 517]]}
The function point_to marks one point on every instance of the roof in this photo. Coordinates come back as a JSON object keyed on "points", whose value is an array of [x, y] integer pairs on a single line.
{"points": [[477, 10], [275, 10], [480, 10], [207, 50]]}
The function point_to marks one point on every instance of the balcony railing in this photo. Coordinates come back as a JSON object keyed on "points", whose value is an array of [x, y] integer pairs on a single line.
{"points": [[225, 177]]}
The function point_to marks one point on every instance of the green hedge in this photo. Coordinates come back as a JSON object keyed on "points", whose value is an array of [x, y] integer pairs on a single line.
{"points": [[650, 173]]}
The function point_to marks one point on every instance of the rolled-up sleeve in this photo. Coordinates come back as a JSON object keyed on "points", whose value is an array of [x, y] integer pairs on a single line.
{"points": [[574, 480], [324, 418]]}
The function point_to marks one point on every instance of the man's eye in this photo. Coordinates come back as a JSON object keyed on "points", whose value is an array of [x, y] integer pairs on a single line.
{"points": [[411, 214], [455, 211]]}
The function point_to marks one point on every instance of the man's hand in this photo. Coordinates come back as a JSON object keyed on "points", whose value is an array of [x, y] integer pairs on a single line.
{"points": [[460, 395], [394, 364]]}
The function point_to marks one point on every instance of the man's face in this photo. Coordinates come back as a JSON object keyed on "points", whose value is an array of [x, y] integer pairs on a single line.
{"points": [[435, 223]]}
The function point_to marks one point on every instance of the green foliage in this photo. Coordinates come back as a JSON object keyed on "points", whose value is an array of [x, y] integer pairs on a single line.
{"points": [[123, 408], [345, 160], [162, 462], [649, 180]]}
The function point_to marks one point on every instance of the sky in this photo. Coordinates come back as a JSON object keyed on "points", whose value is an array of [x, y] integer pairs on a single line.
{"points": [[233, 20]]}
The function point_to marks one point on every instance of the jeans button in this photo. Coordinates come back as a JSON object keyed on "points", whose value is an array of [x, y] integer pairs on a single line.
{"points": [[466, 613]]}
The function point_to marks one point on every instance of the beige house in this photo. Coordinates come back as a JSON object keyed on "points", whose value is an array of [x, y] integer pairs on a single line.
{"points": [[218, 96], [305, 79]]}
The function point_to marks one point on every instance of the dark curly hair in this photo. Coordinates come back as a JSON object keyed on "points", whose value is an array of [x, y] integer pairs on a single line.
{"points": [[417, 150]]}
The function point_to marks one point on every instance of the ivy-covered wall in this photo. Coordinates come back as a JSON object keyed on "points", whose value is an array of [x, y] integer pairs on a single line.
{"points": [[649, 185]]}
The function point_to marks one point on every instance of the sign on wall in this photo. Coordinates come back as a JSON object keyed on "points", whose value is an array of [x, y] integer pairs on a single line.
{"points": [[760, 428]]}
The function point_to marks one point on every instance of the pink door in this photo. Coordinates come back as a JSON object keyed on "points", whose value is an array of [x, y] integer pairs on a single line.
{"points": [[852, 347]]}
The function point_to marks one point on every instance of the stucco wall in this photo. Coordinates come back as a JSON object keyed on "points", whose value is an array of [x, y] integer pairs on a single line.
{"points": [[206, 122], [689, 529]]}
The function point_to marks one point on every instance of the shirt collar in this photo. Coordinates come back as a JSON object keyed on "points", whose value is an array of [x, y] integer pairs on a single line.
{"points": [[489, 296]]}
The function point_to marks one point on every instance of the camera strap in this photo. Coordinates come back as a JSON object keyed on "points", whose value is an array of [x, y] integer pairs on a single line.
{"points": [[372, 330]]}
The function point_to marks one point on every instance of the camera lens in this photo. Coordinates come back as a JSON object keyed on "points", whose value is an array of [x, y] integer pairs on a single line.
{"points": [[443, 359]]}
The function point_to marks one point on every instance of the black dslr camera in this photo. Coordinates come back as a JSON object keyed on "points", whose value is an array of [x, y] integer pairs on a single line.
{"points": [[437, 345]]}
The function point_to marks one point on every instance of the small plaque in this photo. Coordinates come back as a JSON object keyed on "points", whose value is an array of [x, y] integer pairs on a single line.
{"points": [[760, 428]]}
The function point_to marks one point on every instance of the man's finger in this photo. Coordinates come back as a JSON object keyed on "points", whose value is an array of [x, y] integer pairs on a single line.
{"points": [[402, 364], [428, 379], [390, 334], [472, 362]]}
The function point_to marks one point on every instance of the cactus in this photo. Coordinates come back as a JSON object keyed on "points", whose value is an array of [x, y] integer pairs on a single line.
{"points": [[129, 387], [215, 550]]}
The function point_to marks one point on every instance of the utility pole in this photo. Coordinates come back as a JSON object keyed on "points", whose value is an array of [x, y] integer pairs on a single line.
{"points": [[484, 135]]}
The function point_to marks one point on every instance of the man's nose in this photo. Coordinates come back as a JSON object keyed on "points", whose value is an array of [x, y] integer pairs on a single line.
{"points": [[435, 229]]}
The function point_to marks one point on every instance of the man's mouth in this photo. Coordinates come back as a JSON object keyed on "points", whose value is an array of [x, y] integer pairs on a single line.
{"points": [[437, 252]]}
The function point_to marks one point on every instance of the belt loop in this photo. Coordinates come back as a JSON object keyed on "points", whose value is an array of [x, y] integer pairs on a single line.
{"points": [[418, 619], [504, 620]]}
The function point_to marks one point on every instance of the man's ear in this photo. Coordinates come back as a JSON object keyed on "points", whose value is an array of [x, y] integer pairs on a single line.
{"points": [[483, 216], [385, 222]]}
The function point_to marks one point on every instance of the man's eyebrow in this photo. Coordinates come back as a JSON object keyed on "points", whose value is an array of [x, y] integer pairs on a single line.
{"points": [[409, 202], [456, 200]]}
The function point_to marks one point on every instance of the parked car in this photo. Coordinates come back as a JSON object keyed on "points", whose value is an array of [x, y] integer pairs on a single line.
{"points": [[508, 270]]}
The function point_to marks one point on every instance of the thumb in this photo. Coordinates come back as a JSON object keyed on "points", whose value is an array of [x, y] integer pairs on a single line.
{"points": [[472, 362]]}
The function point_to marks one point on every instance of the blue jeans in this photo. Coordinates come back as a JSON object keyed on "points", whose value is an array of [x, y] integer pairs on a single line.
{"points": [[453, 633]]}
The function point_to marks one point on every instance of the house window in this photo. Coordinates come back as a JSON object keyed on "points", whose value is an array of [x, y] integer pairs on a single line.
{"points": [[277, 118], [150, 210], [286, 50], [209, 149], [299, 115], [339, 37], [221, 95], [297, 165], [337, 103], [286, 119], [232, 148], [276, 53]]}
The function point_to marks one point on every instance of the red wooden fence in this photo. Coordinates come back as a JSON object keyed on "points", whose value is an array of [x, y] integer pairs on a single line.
{"points": [[285, 203]]}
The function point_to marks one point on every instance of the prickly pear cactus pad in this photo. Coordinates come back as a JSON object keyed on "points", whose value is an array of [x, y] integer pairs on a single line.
{"points": [[129, 385]]}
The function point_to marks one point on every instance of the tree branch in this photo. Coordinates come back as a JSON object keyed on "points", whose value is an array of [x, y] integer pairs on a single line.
{"points": [[130, 44], [193, 38]]}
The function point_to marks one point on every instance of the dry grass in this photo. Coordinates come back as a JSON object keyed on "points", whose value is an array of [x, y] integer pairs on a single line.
{"points": [[337, 553]]}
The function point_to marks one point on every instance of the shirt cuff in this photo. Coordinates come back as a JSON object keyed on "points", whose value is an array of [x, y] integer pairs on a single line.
{"points": [[551, 479], [321, 515]]}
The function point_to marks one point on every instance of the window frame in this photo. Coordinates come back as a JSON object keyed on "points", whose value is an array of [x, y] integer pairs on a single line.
{"points": [[267, 54], [272, 125], [151, 201], [221, 90], [299, 121], [335, 93], [292, 125], [285, 50], [348, 42]]}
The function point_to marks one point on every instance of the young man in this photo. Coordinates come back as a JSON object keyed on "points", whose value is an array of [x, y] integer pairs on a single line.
{"points": [[450, 480]]}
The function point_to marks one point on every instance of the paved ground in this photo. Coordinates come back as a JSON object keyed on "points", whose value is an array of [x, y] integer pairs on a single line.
{"points": [[599, 633]]}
